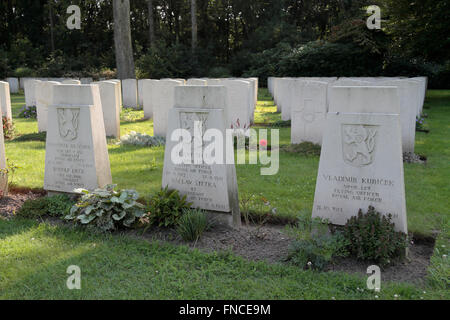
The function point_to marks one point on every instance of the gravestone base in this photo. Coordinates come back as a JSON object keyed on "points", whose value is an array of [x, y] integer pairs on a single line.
{"points": [[220, 219]]}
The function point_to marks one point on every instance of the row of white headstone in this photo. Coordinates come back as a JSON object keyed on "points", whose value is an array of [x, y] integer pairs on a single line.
{"points": [[40, 94], [17, 84], [158, 100], [360, 165], [77, 155], [306, 101]]}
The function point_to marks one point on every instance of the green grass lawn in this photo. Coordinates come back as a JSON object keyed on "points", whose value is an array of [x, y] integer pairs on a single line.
{"points": [[34, 256], [291, 191]]}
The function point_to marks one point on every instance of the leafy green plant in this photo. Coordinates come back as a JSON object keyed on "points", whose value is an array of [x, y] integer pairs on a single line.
{"points": [[372, 236], [166, 207], [107, 209], [316, 253], [315, 246], [55, 206], [192, 224], [420, 123]]}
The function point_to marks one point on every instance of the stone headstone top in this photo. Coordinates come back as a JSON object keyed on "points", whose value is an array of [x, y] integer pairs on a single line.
{"points": [[76, 149]]}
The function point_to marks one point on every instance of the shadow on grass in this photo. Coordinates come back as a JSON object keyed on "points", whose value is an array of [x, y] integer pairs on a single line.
{"points": [[41, 136]]}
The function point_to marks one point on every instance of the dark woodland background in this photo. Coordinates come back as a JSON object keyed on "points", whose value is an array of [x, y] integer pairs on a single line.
{"points": [[229, 38]]}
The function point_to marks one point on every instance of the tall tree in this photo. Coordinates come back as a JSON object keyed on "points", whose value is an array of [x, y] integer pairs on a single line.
{"points": [[52, 33], [151, 23], [122, 39], [194, 24]]}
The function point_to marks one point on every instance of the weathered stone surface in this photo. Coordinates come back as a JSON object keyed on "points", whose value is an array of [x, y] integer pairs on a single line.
{"points": [[5, 100], [208, 186], [130, 93], [163, 97], [361, 162], [76, 149], [44, 94], [309, 111], [109, 95]]}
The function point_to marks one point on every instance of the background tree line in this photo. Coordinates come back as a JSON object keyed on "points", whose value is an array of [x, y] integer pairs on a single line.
{"points": [[188, 38]]}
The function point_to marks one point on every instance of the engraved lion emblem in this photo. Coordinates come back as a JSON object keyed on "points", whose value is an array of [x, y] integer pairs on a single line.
{"points": [[68, 119], [359, 144]]}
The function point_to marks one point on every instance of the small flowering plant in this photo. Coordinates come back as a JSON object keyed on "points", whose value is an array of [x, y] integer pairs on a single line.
{"points": [[420, 121], [9, 130], [28, 112]]}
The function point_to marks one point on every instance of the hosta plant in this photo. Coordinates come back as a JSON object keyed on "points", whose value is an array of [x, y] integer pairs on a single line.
{"points": [[107, 209]]}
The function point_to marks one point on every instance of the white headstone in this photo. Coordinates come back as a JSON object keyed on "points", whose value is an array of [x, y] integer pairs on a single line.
{"points": [[3, 165], [76, 151], [22, 82], [270, 85], [309, 112], [5, 100], [239, 98], [71, 81], [361, 162], [286, 96], [208, 186], [129, 93], [13, 85], [44, 94], [409, 95], [30, 92], [109, 95], [86, 80], [148, 86], [141, 92], [120, 88], [163, 97], [196, 82], [423, 81]]}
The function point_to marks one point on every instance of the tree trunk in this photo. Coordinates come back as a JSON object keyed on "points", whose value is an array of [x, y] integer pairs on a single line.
{"points": [[151, 23], [50, 15], [194, 24], [122, 40]]}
